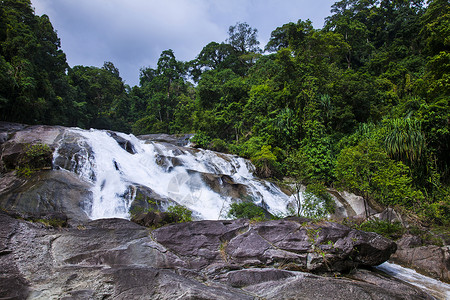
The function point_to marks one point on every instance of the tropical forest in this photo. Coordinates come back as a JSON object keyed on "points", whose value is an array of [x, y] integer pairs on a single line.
{"points": [[361, 104], [253, 148]]}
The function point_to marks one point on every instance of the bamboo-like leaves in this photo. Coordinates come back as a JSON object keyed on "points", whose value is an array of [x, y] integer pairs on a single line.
{"points": [[404, 139]]}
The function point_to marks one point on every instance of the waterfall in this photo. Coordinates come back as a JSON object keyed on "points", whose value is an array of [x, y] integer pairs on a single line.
{"points": [[182, 174]]}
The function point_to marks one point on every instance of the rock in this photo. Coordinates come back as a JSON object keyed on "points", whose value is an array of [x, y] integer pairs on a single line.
{"points": [[125, 144], [408, 241], [431, 260], [155, 219], [391, 284], [308, 286], [145, 199], [176, 139], [248, 277], [353, 206], [47, 194], [294, 243], [73, 155], [224, 185], [13, 150], [118, 259], [13, 284]]}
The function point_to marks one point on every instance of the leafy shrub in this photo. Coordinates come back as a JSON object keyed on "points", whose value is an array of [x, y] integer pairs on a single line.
{"points": [[250, 147], [218, 145], [266, 163], [438, 212], [245, 210], [315, 202], [181, 213], [35, 157], [201, 139], [367, 170], [318, 201]]}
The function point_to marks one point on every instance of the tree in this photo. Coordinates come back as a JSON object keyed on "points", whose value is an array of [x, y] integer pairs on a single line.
{"points": [[289, 35], [98, 91], [243, 38], [215, 56], [367, 170], [33, 84]]}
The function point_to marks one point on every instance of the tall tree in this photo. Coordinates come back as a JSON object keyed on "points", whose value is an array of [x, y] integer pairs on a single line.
{"points": [[243, 38], [33, 86]]}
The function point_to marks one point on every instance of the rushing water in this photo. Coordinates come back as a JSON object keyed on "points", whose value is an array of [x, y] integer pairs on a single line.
{"points": [[434, 287], [112, 170]]}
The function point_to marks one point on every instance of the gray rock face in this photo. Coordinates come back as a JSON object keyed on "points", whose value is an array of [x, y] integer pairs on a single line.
{"points": [[117, 259], [178, 140], [431, 260], [46, 192], [294, 244]]}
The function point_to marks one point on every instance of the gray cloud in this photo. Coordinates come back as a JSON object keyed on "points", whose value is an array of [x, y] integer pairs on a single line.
{"points": [[133, 33]]}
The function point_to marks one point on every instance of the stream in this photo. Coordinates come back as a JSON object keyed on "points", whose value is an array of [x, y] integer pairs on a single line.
{"points": [[438, 289]]}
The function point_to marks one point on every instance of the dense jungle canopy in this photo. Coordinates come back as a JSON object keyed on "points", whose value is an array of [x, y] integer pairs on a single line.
{"points": [[361, 104]]}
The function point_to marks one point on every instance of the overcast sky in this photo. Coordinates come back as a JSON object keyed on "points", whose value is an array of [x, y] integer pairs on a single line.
{"points": [[133, 33]]}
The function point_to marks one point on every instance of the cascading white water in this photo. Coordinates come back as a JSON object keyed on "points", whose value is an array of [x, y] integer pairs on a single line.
{"points": [[112, 170], [432, 286]]}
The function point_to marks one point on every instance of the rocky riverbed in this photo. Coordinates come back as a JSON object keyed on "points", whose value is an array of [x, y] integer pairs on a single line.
{"points": [[117, 259]]}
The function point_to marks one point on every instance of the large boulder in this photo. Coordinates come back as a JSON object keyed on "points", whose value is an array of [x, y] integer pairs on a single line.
{"points": [[295, 244]]}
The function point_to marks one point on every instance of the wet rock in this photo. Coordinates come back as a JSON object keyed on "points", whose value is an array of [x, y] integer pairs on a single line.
{"points": [[123, 143], [145, 200], [175, 139], [308, 286], [224, 185], [155, 219], [406, 291], [46, 195], [73, 155], [118, 259]]}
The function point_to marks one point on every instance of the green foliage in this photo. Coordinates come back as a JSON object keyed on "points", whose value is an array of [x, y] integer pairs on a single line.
{"points": [[319, 199], [247, 210], [34, 157], [384, 228], [314, 202], [218, 145], [438, 212], [404, 139], [180, 212], [367, 170], [266, 163], [201, 139], [24, 171], [57, 223], [363, 101]]}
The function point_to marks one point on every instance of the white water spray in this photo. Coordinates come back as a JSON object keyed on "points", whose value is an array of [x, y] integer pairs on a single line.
{"points": [[437, 288], [112, 171]]}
